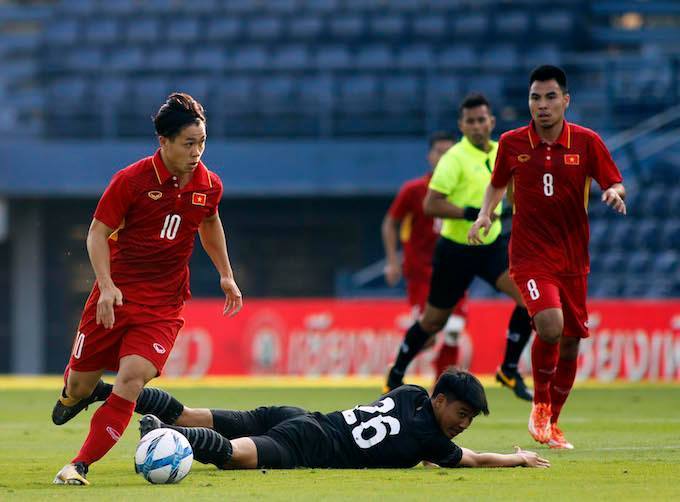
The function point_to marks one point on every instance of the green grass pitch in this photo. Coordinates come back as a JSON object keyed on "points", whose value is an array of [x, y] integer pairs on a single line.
{"points": [[627, 442]]}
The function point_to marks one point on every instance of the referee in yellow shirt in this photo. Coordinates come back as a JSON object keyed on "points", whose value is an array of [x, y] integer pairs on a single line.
{"points": [[455, 194]]}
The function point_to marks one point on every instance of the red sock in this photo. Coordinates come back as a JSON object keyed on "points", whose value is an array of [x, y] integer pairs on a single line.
{"points": [[448, 356], [106, 427], [543, 362], [561, 386]]}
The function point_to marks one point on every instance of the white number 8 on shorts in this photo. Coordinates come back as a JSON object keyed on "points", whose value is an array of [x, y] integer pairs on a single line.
{"points": [[533, 289]]}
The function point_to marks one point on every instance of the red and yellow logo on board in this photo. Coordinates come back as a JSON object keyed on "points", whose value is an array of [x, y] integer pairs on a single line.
{"points": [[572, 159], [198, 199]]}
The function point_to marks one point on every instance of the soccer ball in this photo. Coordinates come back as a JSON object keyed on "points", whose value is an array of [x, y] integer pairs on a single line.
{"points": [[163, 456]]}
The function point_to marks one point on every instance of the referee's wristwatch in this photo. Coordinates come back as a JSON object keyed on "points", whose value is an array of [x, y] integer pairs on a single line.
{"points": [[470, 213]]}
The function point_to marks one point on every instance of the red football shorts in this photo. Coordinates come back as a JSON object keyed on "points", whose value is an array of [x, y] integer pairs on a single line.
{"points": [[147, 331], [418, 290], [568, 293]]}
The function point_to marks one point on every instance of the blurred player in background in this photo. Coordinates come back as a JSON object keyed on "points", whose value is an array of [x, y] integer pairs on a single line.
{"points": [[418, 233], [550, 163], [399, 430], [455, 194], [139, 243]]}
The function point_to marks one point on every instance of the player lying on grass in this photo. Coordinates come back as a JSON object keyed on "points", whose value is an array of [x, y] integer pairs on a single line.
{"points": [[401, 429]]}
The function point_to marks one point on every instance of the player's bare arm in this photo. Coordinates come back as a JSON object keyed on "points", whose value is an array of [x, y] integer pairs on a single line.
{"points": [[521, 458], [492, 197], [614, 197], [214, 242], [109, 294], [389, 238]]}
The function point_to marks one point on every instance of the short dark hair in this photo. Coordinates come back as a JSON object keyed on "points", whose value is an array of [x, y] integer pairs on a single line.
{"points": [[473, 101], [547, 72], [178, 111], [440, 136], [458, 385]]}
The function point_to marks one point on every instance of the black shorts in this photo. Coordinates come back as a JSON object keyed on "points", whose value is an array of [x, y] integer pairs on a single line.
{"points": [[454, 266], [297, 442]]}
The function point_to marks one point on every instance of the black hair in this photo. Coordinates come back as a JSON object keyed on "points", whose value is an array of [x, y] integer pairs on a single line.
{"points": [[458, 385], [547, 72], [440, 136], [178, 111], [473, 101]]}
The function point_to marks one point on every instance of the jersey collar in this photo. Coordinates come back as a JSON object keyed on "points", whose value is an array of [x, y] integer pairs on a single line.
{"points": [[200, 178], [467, 144], [563, 139]]}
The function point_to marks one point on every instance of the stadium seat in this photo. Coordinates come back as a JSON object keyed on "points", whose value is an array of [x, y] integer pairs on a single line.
{"points": [[490, 85], [127, 59], [183, 30], [314, 92], [85, 59], [635, 286], [457, 56], [241, 6], [598, 234], [670, 234], [604, 286], [415, 57], [639, 262], [223, 29], [444, 91], [101, 31], [210, 7], [292, 58], [149, 92], [347, 26], [429, 26], [264, 28], [358, 93], [234, 94], [500, 57], [307, 27], [471, 25], [387, 27], [333, 57], [198, 87], [80, 7], [613, 261], [408, 5], [156, 7], [274, 94], [541, 54], [402, 93], [514, 24], [555, 23], [667, 263], [321, 6], [62, 32], [68, 92], [363, 5], [374, 57], [654, 202], [142, 30], [208, 58], [282, 6], [111, 90], [119, 7], [250, 58], [166, 58]]}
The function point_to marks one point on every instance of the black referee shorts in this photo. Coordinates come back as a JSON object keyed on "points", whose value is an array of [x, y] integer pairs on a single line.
{"points": [[454, 266]]}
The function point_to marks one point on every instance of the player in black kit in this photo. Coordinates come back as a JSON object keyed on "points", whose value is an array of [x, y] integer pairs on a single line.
{"points": [[401, 429]]}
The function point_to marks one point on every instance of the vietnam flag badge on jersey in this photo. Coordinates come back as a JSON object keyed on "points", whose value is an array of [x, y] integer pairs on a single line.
{"points": [[572, 159], [198, 199]]}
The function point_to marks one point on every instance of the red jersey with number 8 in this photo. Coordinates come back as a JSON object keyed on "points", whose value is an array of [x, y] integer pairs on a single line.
{"points": [[156, 223], [551, 186]]}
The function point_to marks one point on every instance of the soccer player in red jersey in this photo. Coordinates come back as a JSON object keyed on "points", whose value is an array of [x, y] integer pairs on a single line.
{"points": [[406, 221], [140, 241], [551, 163]]}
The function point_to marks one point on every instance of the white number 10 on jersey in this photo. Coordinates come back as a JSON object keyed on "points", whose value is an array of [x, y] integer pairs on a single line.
{"points": [[171, 226]]}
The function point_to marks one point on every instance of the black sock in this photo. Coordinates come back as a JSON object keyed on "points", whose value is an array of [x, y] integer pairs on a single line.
{"points": [[209, 446], [519, 331], [235, 424], [160, 403], [411, 346]]}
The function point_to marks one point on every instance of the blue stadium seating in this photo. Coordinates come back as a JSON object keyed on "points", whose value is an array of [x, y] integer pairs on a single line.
{"points": [[305, 28], [207, 58], [183, 30], [471, 25], [513, 24], [347, 26], [101, 31], [142, 30], [332, 57], [166, 57], [374, 57], [429, 26], [223, 29], [291, 58], [62, 32], [388, 26], [264, 28], [127, 59], [418, 56], [250, 58]]}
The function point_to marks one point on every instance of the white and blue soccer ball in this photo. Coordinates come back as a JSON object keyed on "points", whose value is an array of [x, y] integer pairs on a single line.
{"points": [[163, 456]]}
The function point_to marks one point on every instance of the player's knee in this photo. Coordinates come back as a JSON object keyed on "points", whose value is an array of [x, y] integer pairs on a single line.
{"points": [[78, 390], [129, 386], [549, 333]]}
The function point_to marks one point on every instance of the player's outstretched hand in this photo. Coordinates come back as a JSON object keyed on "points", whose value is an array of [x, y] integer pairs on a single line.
{"points": [[531, 459], [234, 301], [612, 198], [108, 297], [483, 223], [392, 274]]}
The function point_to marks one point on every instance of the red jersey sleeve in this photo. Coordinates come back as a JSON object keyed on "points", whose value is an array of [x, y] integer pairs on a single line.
{"points": [[114, 202], [220, 190], [602, 167], [502, 170], [400, 205]]}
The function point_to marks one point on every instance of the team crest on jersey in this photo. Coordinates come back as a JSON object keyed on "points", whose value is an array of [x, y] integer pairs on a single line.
{"points": [[198, 199], [155, 194], [523, 157], [572, 159]]}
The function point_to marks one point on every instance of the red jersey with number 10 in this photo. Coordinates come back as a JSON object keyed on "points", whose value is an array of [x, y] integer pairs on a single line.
{"points": [[551, 185], [156, 224], [419, 232]]}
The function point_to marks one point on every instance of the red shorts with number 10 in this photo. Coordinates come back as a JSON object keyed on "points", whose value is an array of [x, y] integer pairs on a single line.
{"points": [[143, 330], [566, 292]]}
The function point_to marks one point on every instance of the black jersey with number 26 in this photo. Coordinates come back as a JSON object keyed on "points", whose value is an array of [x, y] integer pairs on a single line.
{"points": [[397, 430]]}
